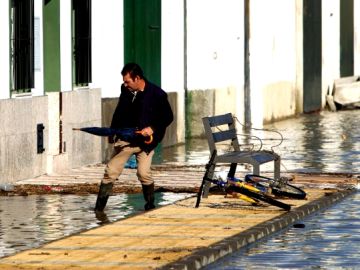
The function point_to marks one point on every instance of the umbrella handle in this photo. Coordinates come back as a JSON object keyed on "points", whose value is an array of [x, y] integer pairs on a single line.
{"points": [[149, 140], [150, 137]]}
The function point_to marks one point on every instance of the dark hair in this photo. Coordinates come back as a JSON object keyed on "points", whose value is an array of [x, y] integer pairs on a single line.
{"points": [[133, 69]]}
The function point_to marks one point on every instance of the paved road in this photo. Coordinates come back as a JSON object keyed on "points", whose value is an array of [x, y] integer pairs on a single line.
{"points": [[167, 178], [87, 179]]}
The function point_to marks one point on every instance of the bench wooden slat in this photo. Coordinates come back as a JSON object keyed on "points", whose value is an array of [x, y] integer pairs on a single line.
{"points": [[219, 120], [224, 135], [213, 135]]}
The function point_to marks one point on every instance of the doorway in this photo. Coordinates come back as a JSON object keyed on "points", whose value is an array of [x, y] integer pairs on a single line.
{"points": [[142, 36], [312, 55]]}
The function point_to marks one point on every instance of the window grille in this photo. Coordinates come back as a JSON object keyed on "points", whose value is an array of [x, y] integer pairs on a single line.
{"points": [[22, 45], [82, 41]]}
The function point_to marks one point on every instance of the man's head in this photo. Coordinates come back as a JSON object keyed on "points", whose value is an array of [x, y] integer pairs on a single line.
{"points": [[133, 77]]}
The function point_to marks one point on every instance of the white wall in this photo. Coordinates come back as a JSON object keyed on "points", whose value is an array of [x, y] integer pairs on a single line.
{"points": [[215, 59], [172, 39], [172, 57], [330, 45], [107, 46], [272, 59], [299, 84], [214, 43], [4, 50]]}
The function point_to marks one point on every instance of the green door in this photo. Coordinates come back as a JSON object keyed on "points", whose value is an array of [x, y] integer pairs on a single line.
{"points": [[312, 55], [346, 38], [142, 36]]}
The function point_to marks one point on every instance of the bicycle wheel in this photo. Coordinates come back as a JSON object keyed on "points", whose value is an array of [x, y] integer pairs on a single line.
{"points": [[259, 196], [289, 191], [278, 188]]}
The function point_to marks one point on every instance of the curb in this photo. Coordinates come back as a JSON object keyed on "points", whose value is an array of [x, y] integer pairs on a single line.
{"points": [[206, 256]]}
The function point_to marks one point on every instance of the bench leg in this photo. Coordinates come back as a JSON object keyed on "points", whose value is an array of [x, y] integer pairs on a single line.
{"points": [[256, 169], [277, 164], [232, 170], [207, 184]]}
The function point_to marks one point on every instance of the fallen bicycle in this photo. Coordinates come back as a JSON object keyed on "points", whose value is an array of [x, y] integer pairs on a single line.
{"points": [[253, 188]]}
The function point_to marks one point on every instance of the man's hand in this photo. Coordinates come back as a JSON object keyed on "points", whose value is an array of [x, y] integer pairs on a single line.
{"points": [[146, 132]]}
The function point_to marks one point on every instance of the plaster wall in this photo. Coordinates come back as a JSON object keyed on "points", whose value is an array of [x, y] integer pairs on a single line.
{"points": [[214, 44], [81, 108], [330, 46], [18, 140], [215, 61], [278, 102], [272, 60], [108, 106], [107, 46], [299, 65], [175, 133], [64, 148], [173, 65], [203, 103], [56, 160], [172, 45]]}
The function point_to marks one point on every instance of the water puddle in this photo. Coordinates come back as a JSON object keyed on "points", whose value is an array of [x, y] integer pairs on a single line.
{"points": [[30, 221]]}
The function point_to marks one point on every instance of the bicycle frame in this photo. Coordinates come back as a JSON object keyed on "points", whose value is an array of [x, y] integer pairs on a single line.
{"points": [[247, 192]]}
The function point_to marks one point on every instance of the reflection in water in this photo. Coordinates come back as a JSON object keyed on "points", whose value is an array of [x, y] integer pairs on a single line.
{"points": [[194, 152], [313, 139], [325, 142], [330, 240], [27, 222], [322, 142]]}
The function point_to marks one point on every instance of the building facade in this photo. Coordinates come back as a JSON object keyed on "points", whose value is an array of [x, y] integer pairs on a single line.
{"points": [[261, 60]]}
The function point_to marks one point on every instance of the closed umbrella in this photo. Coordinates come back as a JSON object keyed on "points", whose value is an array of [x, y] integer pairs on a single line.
{"points": [[126, 134]]}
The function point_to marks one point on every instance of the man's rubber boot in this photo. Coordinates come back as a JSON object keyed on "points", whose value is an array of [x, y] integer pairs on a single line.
{"points": [[148, 191], [103, 196]]}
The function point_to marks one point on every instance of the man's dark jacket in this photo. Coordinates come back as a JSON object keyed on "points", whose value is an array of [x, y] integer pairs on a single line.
{"points": [[147, 108]]}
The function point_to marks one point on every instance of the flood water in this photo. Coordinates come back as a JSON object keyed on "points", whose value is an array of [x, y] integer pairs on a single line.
{"points": [[324, 142], [319, 142], [30, 221], [329, 240]]}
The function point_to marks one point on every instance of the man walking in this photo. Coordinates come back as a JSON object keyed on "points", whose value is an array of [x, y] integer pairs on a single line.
{"points": [[144, 106]]}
